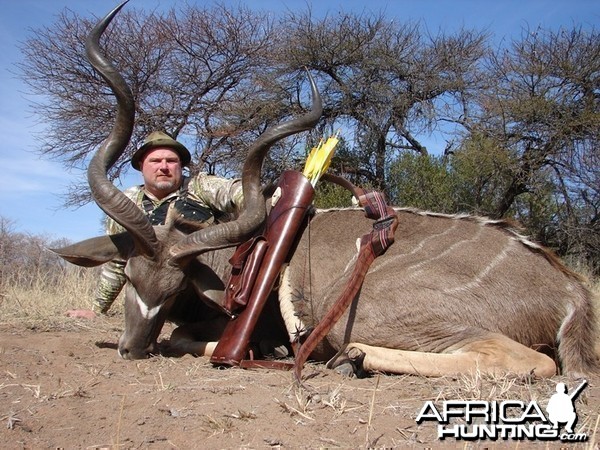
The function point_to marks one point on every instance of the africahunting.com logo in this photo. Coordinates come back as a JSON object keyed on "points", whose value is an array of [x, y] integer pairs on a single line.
{"points": [[508, 419]]}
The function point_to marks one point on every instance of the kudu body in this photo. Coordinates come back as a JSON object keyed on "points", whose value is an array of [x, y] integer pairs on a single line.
{"points": [[452, 294]]}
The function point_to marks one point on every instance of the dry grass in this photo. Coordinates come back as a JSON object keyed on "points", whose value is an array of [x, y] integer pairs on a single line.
{"points": [[41, 299]]}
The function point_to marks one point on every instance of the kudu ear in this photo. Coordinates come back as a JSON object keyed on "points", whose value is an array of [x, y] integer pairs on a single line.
{"points": [[98, 250]]}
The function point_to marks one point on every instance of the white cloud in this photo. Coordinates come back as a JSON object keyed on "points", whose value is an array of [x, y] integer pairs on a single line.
{"points": [[26, 173]]}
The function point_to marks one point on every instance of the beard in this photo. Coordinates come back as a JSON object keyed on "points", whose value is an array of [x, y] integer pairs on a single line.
{"points": [[166, 185], [163, 187]]}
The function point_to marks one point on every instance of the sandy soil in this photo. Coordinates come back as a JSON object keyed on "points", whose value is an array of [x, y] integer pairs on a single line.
{"points": [[66, 387]]}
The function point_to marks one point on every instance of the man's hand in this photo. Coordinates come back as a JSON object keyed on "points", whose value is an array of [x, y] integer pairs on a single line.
{"points": [[81, 314]]}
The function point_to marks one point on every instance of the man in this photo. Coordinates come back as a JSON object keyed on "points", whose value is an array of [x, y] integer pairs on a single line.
{"points": [[161, 160]]}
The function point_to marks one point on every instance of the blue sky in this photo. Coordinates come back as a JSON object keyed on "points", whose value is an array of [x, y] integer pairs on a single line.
{"points": [[31, 187]]}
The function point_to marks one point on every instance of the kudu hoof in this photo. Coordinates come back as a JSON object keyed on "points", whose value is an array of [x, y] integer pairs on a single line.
{"points": [[350, 364]]}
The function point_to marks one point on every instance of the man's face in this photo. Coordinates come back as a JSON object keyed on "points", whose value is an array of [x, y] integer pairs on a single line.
{"points": [[162, 172]]}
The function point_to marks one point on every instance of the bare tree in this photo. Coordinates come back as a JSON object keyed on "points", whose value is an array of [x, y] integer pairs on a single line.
{"points": [[25, 257], [543, 108], [385, 81], [191, 72], [207, 76]]}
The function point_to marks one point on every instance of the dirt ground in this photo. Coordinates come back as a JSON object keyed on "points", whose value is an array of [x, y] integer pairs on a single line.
{"points": [[66, 387]]}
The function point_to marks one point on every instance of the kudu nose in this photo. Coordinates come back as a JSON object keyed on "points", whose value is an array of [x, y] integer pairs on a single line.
{"points": [[124, 353], [128, 352]]}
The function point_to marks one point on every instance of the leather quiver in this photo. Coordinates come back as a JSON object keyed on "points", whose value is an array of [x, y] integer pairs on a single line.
{"points": [[285, 222]]}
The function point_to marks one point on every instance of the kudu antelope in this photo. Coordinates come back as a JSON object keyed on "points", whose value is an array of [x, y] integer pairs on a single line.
{"points": [[452, 294]]}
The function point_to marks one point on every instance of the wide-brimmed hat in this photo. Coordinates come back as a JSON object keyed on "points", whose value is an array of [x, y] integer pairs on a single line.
{"points": [[160, 139]]}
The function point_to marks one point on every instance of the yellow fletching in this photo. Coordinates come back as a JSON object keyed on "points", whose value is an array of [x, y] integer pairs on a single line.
{"points": [[310, 161], [319, 159]]}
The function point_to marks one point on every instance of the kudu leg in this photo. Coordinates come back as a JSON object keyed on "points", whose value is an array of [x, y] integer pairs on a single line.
{"points": [[496, 354], [201, 339], [191, 347], [198, 339], [184, 341]]}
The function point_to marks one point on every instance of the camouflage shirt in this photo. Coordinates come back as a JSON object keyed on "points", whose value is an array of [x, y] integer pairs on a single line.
{"points": [[218, 195]]}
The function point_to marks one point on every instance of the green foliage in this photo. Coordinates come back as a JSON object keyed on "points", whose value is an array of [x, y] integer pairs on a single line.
{"points": [[538, 212], [422, 181], [330, 195], [482, 172], [473, 179]]}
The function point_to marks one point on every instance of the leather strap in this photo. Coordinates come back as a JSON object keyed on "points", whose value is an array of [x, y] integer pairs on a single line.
{"points": [[372, 245]]}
